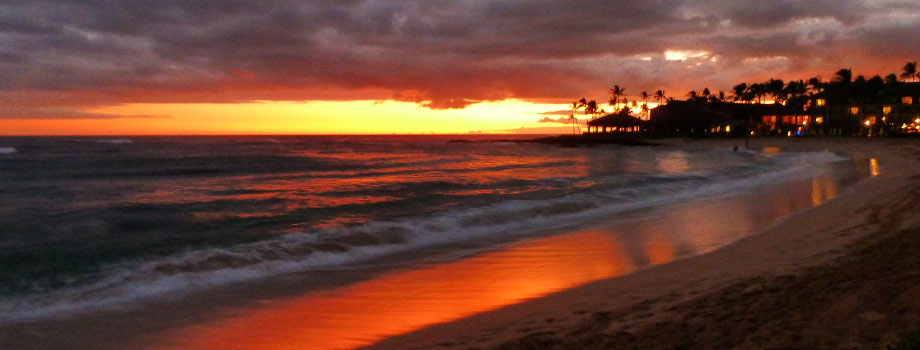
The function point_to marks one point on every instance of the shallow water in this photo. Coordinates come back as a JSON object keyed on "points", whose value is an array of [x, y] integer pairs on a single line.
{"points": [[201, 242], [401, 301]]}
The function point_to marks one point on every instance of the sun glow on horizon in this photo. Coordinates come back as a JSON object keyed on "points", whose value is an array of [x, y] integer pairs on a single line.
{"points": [[292, 117]]}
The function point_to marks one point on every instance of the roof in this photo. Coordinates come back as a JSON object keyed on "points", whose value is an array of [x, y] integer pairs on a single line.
{"points": [[618, 120]]}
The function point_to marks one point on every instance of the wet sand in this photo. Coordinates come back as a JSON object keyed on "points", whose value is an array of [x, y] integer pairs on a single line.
{"points": [[843, 275]]}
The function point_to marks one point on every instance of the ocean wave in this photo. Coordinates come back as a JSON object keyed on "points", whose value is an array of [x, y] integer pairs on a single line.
{"points": [[345, 246], [7, 150]]}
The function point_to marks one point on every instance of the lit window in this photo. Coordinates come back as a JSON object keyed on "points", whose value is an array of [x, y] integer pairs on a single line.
{"points": [[907, 100], [820, 102], [854, 110], [869, 121], [886, 110], [819, 120], [728, 128]]}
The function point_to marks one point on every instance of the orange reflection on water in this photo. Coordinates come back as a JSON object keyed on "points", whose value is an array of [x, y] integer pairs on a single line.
{"points": [[659, 250], [823, 188], [400, 302], [674, 163], [873, 167]]}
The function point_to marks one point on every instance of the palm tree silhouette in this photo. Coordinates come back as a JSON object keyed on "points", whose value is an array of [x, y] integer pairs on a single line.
{"points": [[758, 91], [660, 97], [590, 108], [740, 92], [910, 71], [816, 85], [615, 94], [843, 76], [775, 87], [575, 106]]}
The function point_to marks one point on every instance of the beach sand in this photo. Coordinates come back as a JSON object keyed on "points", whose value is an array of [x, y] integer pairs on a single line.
{"points": [[843, 275]]}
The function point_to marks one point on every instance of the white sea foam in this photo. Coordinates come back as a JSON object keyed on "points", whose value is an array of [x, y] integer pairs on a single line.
{"points": [[343, 246], [7, 150]]}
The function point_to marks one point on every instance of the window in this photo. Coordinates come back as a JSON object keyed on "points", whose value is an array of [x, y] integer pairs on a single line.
{"points": [[820, 102], [819, 120], [769, 121], [907, 100], [854, 110], [886, 110]]}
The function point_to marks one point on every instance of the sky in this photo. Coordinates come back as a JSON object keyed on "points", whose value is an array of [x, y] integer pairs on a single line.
{"points": [[409, 66]]}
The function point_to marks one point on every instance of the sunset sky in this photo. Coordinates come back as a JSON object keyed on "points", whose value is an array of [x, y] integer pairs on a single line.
{"points": [[422, 66]]}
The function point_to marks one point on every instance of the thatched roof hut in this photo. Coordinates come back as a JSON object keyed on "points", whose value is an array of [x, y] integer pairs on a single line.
{"points": [[616, 122]]}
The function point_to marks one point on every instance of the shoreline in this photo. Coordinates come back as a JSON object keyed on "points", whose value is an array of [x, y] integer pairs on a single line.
{"points": [[722, 299]]}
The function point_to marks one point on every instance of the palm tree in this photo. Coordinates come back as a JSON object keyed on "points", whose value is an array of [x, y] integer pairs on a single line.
{"points": [[591, 108], [575, 106], [740, 91], [717, 98], [615, 94], [775, 87], [758, 91], [660, 97], [910, 71], [843, 76], [816, 85]]}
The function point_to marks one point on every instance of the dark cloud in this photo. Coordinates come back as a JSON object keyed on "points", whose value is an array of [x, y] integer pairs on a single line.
{"points": [[438, 53], [60, 113]]}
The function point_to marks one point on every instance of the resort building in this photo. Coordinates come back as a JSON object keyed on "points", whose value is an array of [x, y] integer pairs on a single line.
{"points": [[835, 111], [620, 122]]}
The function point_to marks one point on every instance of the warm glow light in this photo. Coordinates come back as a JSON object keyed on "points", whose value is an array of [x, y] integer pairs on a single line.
{"points": [[287, 117], [822, 189], [400, 302], [682, 55], [886, 110], [873, 167], [820, 102], [854, 110]]}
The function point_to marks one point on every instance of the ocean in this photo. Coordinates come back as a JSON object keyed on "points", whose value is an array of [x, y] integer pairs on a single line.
{"points": [[87, 222]]}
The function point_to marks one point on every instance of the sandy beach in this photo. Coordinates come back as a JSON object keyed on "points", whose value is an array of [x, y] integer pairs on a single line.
{"points": [[843, 275]]}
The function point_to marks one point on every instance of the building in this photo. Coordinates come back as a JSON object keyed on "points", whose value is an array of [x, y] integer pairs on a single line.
{"points": [[620, 122]]}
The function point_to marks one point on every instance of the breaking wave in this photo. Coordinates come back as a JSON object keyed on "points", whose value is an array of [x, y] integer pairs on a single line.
{"points": [[350, 245]]}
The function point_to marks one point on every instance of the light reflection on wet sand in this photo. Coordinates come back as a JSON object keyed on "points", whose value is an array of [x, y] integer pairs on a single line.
{"points": [[402, 301]]}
